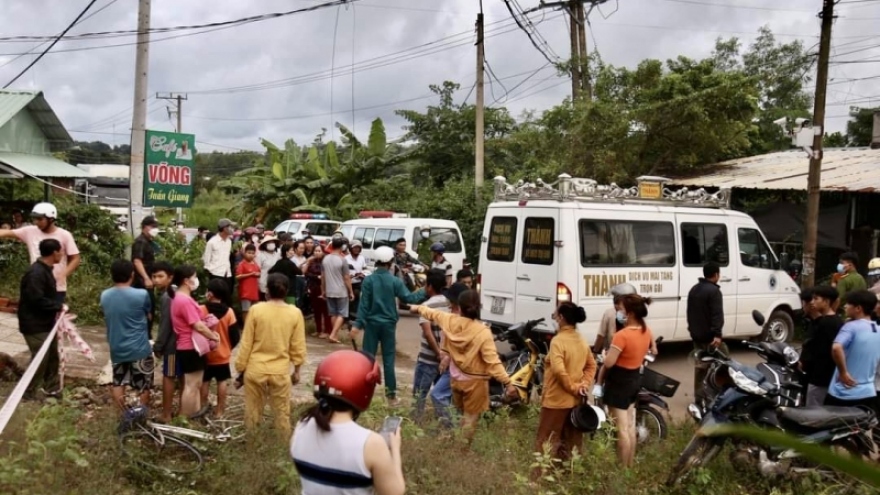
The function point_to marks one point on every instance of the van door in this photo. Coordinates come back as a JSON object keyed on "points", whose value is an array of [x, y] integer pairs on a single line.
{"points": [[757, 282], [498, 264], [704, 239], [537, 273]]}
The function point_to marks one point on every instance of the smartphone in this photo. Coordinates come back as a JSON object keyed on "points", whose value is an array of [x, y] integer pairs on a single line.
{"points": [[391, 424]]}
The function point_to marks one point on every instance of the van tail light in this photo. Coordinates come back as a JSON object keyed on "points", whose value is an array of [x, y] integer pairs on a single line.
{"points": [[563, 293], [479, 283]]}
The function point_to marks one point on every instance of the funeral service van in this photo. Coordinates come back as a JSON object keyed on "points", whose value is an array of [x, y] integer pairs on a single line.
{"points": [[573, 240]]}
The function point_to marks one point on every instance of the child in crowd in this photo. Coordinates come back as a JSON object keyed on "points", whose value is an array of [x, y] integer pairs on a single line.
{"points": [[218, 360], [125, 313], [166, 343], [248, 275]]}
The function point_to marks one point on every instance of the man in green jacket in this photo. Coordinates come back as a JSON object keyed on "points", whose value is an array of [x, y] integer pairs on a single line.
{"points": [[849, 279], [377, 315]]}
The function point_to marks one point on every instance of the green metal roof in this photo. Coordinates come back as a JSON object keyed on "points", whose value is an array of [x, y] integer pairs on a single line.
{"points": [[19, 165], [12, 102]]}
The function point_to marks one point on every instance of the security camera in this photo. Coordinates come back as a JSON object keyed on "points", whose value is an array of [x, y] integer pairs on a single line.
{"points": [[802, 122], [781, 121]]}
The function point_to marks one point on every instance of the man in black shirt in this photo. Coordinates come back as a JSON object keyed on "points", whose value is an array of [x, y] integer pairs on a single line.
{"points": [[143, 255], [705, 318], [816, 359], [38, 308]]}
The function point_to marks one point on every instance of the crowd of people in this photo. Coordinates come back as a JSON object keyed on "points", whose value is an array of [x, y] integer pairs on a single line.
{"points": [[279, 281]]}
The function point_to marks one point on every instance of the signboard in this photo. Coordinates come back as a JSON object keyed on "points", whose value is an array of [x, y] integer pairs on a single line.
{"points": [[650, 190], [169, 161]]}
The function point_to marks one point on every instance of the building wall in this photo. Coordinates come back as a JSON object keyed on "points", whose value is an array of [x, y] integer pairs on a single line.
{"points": [[22, 135]]}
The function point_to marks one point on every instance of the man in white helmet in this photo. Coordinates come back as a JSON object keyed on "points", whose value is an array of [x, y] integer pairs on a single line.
{"points": [[43, 217], [874, 276]]}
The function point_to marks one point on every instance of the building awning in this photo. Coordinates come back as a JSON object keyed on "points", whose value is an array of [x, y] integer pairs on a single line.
{"points": [[21, 165]]}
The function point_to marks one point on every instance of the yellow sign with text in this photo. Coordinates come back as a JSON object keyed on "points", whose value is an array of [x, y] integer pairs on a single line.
{"points": [[648, 282], [650, 190]]}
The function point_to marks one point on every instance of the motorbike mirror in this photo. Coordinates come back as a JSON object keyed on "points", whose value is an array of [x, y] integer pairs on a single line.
{"points": [[758, 317], [659, 339]]}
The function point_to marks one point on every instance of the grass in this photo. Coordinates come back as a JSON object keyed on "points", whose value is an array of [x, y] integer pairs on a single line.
{"points": [[67, 448]]}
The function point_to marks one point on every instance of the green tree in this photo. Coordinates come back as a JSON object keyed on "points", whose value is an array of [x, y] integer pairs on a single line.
{"points": [[834, 140], [445, 136], [860, 128]]}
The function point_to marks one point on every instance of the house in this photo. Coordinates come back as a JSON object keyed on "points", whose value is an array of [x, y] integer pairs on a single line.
{"points": [[849, 204], [30, 133]]}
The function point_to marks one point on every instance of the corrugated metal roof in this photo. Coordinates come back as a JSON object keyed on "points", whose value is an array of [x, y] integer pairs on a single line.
{"points": [[13, 102], [39, 166], [843, 169]]}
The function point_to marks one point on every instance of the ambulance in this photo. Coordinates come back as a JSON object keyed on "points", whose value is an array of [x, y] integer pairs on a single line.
{"points": [[575, 239]]}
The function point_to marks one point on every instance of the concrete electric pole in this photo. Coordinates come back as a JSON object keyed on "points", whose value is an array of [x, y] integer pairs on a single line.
{"points": [[814, 180], [575, 49], [139, 119], [179, 112], [480, 131], [583, 61]]}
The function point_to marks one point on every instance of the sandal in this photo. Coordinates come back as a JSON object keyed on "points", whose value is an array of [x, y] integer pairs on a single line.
{"points": [[333, 341], [323, 336]]}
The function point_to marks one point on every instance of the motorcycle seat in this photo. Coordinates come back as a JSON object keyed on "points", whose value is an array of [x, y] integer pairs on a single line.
{"points": [[507, 356], [826, 417]]}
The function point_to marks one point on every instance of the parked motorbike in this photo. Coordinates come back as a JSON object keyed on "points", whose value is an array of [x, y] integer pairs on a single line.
{"points": [[768, 396], [524, 363], [650, 422]]}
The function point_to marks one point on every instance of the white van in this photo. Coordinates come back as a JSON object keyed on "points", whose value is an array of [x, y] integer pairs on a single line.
{"points": [[542, 245], [319, 227], [376, 232]]}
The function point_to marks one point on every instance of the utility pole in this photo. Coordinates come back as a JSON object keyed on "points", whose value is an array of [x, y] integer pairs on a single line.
{"points": [[139, 118], [575, 54], [480, 131], [179, 112], [814, 180], [178, 97], [583, 61]]}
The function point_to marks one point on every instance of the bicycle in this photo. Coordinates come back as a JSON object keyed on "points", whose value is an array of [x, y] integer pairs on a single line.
{"points": [[143, 440]]}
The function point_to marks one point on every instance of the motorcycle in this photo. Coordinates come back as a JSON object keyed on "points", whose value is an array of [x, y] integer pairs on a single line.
{"points": [[524, 363], [650, 422], [768, 396]]}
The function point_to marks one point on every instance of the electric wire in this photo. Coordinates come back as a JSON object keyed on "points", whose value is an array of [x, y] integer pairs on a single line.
{"points": [[54, 42]]}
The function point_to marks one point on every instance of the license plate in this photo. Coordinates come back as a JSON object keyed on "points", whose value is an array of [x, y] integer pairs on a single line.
{"points": [[498, 305]]}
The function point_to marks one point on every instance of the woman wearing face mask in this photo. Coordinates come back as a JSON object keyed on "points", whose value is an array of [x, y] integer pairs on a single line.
{"points": [[267, 256], [568, 376], [186, 318], [620, 377], [613, 318], [286, 266]]}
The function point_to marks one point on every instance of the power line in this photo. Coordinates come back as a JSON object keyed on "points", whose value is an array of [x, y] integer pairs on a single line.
{"points": [[57, 39], [528, 33], [725, 5]]}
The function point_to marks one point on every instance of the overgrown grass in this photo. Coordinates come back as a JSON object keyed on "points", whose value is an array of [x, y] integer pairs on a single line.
{"points": [[60, 448]]}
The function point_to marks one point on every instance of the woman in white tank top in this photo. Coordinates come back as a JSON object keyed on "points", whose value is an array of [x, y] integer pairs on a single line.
{"points": [[332, 453]]}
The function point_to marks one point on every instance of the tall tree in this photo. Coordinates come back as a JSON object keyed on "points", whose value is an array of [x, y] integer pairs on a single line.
{"points": [[860, 128]]}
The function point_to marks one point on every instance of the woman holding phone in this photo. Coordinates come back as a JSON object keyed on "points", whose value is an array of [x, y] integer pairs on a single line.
{"points": [[332, 453]]}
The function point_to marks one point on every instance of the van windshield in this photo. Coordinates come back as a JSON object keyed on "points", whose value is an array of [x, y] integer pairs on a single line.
{"points": [[449, 237]]}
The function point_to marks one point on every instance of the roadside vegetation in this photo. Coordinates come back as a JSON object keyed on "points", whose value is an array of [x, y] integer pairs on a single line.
{"points": [[71, 447]]}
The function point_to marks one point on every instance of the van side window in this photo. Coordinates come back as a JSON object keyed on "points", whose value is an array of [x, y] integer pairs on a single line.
{"points": [[323, 229], [387, 237], [704, 242], [754, 251], [612, 243], [502, 239], [448, 236], [538, 241], [365, 235]]}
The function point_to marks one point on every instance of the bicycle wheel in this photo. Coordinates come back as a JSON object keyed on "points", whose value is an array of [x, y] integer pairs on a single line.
{"points": [[163, 453]]}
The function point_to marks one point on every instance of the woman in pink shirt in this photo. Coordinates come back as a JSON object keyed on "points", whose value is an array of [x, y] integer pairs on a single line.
{"points": [[186, 318]]}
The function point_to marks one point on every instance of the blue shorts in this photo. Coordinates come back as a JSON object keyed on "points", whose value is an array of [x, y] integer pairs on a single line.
{"points": [[337, 306], [171, 366]]}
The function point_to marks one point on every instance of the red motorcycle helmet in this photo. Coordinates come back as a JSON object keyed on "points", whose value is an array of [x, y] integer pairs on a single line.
{"points": [[349, 376]]}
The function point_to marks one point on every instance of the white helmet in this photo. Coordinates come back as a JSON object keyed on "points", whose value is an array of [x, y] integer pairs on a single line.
{"points": [[44, 210], [874, 269], [384, 254], [426, 227]]}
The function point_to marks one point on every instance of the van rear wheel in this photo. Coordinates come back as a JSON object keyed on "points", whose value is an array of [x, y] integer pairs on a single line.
{"points": [[778, 328]]}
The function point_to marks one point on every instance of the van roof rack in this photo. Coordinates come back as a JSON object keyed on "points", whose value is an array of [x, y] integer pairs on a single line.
{"points": [[649, 190]]}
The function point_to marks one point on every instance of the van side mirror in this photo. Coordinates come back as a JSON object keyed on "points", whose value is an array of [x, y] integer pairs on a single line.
{"points": [[785, 260], [758, 317]]}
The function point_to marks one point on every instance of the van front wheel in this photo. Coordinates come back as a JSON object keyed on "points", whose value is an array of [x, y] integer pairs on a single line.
{"points": [[779, 327]]}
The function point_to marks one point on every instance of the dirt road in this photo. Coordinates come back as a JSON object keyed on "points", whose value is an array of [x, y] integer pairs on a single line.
{"points": [[672, 361]]}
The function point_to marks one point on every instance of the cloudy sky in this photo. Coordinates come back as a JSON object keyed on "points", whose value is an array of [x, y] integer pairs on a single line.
{"points": [[272, 79]]}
